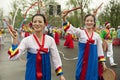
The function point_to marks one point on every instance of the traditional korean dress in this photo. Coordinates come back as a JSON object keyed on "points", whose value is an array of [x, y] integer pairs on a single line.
{"points": [[38, 65], [106, 35], [56, 37], [90, 53], [69, 41]]}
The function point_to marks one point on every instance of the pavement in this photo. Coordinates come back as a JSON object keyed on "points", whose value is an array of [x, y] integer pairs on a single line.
{"points": [[15, 70]]}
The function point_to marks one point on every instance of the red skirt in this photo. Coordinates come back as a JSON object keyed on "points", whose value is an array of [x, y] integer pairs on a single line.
{"points": [[100, 71], [116, 42], [57, 41], [69, 42]]}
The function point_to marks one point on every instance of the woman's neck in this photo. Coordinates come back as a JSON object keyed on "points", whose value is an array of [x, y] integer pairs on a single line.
{"points": [[89, 30], [39, 34]]}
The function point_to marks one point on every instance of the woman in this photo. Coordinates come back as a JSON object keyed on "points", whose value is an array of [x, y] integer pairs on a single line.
{"points": [[90, 49], [69, 41], [40, 48]]}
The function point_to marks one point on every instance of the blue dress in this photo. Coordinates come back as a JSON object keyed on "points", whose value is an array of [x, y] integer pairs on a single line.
{"points": [[89, 54], [30, 44]]}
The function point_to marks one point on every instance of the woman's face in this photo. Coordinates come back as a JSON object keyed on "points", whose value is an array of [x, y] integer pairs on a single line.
{"points": [[108, 27], [89, 22], [38, 23]]}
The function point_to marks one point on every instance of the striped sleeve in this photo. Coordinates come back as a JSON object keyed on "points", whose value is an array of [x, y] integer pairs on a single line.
{"points": [[59, 71], [13, 51], [101, 59], [66, 26], [100, 51]]}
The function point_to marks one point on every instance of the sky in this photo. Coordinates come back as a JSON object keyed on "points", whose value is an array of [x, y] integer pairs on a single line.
{"points": [[6, 4]]}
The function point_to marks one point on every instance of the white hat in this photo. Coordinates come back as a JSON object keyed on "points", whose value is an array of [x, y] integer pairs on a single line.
{"points": [[118, 26], [106, 24]]}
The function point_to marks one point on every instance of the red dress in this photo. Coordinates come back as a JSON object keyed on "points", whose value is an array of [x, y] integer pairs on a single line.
{"points": [[56, 37], [69, 42]]}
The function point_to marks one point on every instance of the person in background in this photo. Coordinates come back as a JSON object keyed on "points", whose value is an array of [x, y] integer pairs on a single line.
{"points": [[2, 32], [48, 30], [106, 35], [69, 41], [118, 35], [56, 36], [118, 32]]}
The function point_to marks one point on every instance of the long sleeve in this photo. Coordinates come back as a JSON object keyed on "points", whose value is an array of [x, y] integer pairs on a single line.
{"points": [[56, 58], [100, 50], [71, 29], [17, 50]]}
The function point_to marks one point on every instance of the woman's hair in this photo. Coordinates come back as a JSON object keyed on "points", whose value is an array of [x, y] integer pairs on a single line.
{"points": [[92, 16], [39, 15]]}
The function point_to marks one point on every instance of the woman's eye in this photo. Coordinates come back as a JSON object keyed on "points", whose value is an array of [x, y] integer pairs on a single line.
{"points": [[87, 20], [34, 21], [40, 21]]}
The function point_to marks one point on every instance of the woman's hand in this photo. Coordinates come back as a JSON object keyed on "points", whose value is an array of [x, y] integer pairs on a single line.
{"points": [[14, 35], [104, 66], [64, 14], [62, 77], [13, 32]]}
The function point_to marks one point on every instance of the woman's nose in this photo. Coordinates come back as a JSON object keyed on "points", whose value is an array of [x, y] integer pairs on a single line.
{"points": [[37, 23]]}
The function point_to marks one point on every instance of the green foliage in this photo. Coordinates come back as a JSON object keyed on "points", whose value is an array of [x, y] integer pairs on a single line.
{"points": [[78, 18], [18, 19], [111, 14], [55, 21]]}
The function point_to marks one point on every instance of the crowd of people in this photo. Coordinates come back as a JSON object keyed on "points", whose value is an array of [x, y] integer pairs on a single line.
{"points": [[91, 40], [2, 34], [41, 40]]}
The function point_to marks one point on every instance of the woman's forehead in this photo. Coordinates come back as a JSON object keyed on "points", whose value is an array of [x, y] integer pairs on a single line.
{"points": [[89, 17], [38, 17]]}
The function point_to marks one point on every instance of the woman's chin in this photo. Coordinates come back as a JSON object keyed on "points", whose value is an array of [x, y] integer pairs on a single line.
{"points": [[89, 27], [37, 30]]}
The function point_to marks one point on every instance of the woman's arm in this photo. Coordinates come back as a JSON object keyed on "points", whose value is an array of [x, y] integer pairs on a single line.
{"points": [[69, 28], [16, 50], [101, 57], [65, 13]]}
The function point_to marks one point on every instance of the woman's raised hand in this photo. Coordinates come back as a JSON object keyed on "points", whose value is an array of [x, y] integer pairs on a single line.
{"points": [[11, 30], [65, 13]]}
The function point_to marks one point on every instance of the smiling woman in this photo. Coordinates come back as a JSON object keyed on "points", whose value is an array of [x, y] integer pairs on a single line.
{"points": [[90, 49], [40, 48]]}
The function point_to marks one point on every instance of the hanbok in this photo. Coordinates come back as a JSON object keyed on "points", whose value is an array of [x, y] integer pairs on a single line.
{"points": [[38, 66], [89, 54], [69, 41]]}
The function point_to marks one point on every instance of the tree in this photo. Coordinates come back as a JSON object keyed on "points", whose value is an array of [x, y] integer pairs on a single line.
{"points": [[111, 13], [19, 7], [79, 14], [1, 16]]}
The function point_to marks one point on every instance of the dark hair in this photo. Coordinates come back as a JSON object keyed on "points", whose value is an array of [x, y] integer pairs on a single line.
{"points": [[92, 16], [39, 15]]}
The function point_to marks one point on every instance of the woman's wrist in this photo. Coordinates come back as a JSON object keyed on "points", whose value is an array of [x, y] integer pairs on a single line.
{"points": [[103, 63], [15, 41]]}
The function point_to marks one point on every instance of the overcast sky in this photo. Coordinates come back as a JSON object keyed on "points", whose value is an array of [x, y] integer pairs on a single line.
{"points": [[6, 4]]}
